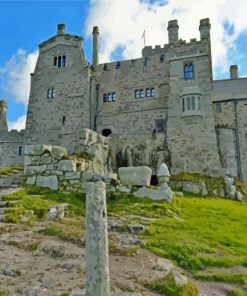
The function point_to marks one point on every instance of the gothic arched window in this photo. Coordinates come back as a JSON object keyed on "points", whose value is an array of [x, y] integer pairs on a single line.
{"points": [[188, 71]]}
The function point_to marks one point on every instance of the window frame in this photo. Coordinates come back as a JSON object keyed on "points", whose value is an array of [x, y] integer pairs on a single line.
{"points": [[218, 107], [188, 70]]}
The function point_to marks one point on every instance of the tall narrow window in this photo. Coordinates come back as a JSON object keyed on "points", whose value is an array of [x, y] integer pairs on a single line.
{"points": [[193, 103], [188, 71], [104, 97], [218, 108], [49, 93], [64, 61], [53, 93], [109, 97], [159, 125], [59, 62], [113, 97], [137, 94], [148, 92], [145, 61], [55, 61], [105, 67], [162, 58], [152, 92], [63, 120], [20, 150], [183, 105], [188, 103], [141, 93], [118, 64]]}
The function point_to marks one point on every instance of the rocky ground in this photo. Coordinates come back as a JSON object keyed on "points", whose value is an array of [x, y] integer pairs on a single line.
{"points": [[47, 258], [36, 264]]}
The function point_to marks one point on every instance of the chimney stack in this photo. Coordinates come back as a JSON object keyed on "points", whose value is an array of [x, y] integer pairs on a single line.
{"points": [[3, 120], [60, 29], [95, 46], [173, 31], [204, 28], [234, 71]]}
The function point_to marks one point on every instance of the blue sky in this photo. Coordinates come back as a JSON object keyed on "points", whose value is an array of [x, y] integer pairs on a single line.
{"points": [[25, 24]]}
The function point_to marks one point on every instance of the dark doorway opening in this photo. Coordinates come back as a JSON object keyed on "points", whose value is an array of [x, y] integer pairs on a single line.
{"points": [[154, 180], [106, 132]]}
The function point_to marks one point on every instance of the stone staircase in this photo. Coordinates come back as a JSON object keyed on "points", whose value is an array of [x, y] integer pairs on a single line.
{"points": [[12, 180], [7, 206]]}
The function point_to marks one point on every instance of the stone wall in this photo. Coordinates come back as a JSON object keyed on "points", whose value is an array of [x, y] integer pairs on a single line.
{"points": [[11, 148], [50, 166]]}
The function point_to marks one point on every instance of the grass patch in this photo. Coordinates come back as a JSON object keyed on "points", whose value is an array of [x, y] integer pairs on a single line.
{"points": [[123, 251], [170, 288], [236, 278], [67, 229], [236, 292], [9, 170]]}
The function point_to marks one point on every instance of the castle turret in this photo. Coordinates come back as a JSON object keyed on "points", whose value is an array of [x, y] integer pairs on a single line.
{"points": [[3, 120], [173, 31], [234, 71], [204, 28], [60, 29], [95, 46]]}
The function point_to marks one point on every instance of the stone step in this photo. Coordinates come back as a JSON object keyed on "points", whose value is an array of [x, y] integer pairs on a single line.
{"points": [[3, 204]]}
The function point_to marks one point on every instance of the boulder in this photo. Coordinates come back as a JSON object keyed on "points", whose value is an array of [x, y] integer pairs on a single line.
{"points": [[47, 182], [229, 181], [193, 187], [136, 228], [67, 166], [31, 180], [36, 149], [179, 194], [58, 152], [239, 196], [163, 192], [57, 211], [31, 170], [135, 176]]}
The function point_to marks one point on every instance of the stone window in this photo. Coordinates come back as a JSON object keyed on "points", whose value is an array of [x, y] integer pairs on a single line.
{"points": [[162, 58], [190, 103], [188, 71], [218, 108], [159, 125], [64, 61], [145, 61], [118, 64], [59, 61], [109, 97], [141, 93], [63, 120], [20, 150], [51, 93], [148, 92], [105, 67]]}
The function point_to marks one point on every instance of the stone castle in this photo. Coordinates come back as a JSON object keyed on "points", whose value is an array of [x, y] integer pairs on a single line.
{"points": [[164, 106]]}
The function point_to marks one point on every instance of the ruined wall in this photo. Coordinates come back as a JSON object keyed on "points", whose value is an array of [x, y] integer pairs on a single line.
{"points": [[11, 148], [50, 166]]}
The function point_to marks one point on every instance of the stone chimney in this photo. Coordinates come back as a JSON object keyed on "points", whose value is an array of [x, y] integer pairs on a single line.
{"points": [[3, 120], [173, 31], [204, 28], [234, 71], [95, 46], [60, 29]]}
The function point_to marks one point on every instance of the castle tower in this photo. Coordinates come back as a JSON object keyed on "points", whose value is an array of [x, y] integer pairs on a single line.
{"points": [[3, 120], [60, 29], [204, 28], [234, 71], [95, 46], [173, 31]]}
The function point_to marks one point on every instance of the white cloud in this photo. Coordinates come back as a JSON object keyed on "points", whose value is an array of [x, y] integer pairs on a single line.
{"points": [[18, 124], [16, 75], [121, 23]]}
